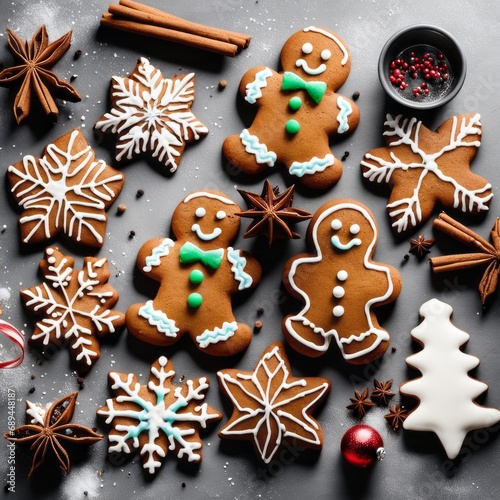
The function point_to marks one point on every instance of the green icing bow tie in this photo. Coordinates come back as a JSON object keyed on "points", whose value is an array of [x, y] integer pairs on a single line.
{"points": [[291, 81], [210, 258]]}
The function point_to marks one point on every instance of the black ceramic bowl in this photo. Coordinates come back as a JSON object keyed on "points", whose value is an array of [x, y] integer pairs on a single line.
{"points": [[422, 38]]}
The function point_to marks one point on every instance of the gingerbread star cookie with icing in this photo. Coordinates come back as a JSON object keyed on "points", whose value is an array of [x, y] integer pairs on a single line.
{"points": [[340, 284], [271, 406], [426, 168], [152, 115], [298, 110], [198, 274]]}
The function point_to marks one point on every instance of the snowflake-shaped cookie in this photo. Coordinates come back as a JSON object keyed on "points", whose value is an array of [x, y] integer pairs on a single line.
{"points": [[66, 190], [152, 114], [157, 417], [75, 306], [271, 406], [427, 167]]}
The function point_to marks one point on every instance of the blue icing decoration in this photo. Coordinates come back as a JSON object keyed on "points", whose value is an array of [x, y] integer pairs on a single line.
{"points": [[238, 265], [254, 89], [159, 319], [312, 166], [160, 251], [341, 246], [345, 109], [217, 334], [254, 147]]}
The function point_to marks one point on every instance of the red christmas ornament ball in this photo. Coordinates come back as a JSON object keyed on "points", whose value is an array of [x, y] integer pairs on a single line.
{"points": [[362, 446]]}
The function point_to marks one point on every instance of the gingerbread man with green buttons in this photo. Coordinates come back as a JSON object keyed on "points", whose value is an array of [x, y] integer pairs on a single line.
{"points": [[198, 273], [298, 111]]}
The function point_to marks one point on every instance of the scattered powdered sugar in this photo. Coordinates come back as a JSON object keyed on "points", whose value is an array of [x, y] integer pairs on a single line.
{"points": [[83, 482], [4, 295]]}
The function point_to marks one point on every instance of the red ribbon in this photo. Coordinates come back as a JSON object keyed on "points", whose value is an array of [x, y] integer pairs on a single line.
{"points": [[17, 337]]}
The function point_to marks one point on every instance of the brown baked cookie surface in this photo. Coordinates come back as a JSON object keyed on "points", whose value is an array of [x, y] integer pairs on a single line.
{"points": [[340, 284], [298, 110], [198, 274]]}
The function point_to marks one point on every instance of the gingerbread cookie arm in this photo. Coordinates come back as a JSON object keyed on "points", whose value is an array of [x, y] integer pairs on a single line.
{"points": [[345, 117], [246, 269], [151, 256], [255, 82]]}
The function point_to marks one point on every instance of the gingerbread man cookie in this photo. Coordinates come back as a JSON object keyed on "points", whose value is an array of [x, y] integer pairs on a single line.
{"points": [[339, 284], [198, 273], [298, 110]]}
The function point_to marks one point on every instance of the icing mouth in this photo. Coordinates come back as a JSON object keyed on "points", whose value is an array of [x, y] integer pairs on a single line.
{"points": [[341, 246], [206, 236], [301, 63]]}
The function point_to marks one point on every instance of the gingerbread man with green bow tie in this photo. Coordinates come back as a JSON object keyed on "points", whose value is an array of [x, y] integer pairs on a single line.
{"points": [[298, 111], [198, 273]]}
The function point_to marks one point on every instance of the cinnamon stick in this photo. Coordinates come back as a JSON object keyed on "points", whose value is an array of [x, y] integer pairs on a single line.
{"points": [[448, 263], [137, 18], [169, 35], [179, 24]]}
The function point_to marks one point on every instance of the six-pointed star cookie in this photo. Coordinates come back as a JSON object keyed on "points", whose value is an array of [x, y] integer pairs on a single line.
{"points": [[428, 167], [152, 114], [271, 406], [66, 190]]}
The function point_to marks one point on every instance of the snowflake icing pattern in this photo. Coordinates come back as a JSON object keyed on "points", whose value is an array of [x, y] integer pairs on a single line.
{"points": [[426, 167], [157, 417], [152, 113], [65, 190], [271, 406], [75, 305]]}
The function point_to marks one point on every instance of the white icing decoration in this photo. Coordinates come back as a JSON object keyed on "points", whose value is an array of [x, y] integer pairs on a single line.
{"points": [[158, 118], [205, 194], [354, 229], [336, 224], [154, 417], [217, 334], [338, 292], [47, 187], [157, 253], [408, 210], [206, 236], [338, 311], [254, 147], [271, 407], [238, 268], [325, 54], [301, 63], [341, 46], [345, 109], [342, 276], [220, 215], [200, 212], [37, 412], [315, 164], [445, 391], [158, 319], [307, 48], [253, 90], [345, 246]]}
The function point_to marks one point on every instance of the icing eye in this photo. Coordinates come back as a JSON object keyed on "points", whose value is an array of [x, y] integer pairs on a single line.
{"points": [[336, 224], [326, 54], [200, 212], [220, 215], [307, 48], [354, 229]]}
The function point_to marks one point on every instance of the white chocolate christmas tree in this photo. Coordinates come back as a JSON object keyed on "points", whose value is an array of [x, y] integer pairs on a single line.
{"points": [[445, 391]]}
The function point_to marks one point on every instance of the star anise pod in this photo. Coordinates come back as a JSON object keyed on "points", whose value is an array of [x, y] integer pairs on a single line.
{"points": [[381, 394], [51, 431], [485, 254], [272, 212], [32, 76], [396, 416], [360, 403], [421, 246]]}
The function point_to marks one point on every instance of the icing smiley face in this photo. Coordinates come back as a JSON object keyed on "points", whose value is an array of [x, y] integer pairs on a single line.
{"points": [[321, 55], [207, 216], [353, 230]]}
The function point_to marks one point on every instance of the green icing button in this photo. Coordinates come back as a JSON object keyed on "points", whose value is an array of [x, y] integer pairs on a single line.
{"points": [[195, 300], [292, 126], [295, 103], [196, 277]]}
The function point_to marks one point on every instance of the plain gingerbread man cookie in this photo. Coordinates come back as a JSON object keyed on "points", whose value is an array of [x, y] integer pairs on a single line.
{"points": [[198, 273], [339, 284], [297, 111]]}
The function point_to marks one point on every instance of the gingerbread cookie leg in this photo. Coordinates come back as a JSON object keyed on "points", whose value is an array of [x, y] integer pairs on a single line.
{"points": [[319, 172], [248, 153]]}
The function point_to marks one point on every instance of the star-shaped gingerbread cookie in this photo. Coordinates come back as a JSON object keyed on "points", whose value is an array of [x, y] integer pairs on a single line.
{"points": [[152, 115], [271, 406], [426, 167]]}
